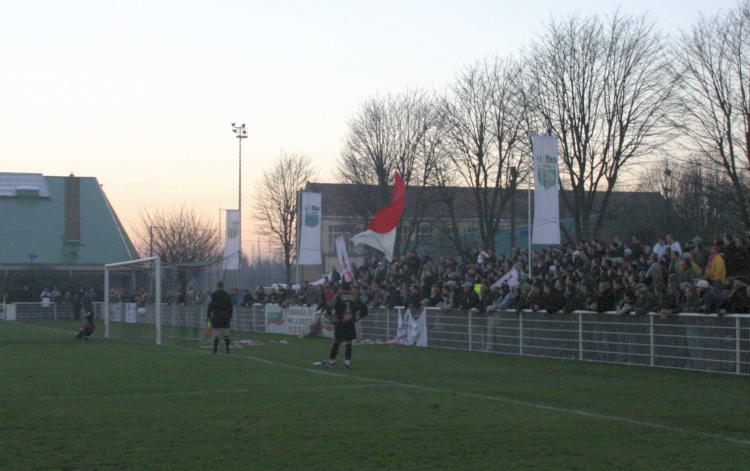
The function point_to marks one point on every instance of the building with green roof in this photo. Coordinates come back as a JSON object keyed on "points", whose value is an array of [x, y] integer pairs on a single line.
{"points": [[58, 223]]}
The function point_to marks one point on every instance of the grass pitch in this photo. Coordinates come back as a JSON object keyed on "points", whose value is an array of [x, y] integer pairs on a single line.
{"points": [[129, 404]]}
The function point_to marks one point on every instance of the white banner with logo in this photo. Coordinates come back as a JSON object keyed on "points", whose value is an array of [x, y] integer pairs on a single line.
{"points": [[115, 312], [309, 239], [411, 331], [293, 320], [232, 240], [131, 313], [546, 191], [346, 268]]}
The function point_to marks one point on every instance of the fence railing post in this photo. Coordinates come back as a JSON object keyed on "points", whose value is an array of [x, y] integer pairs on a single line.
{"points": [[388, 324], [651, 339], [520, 333], [738, 357], [470, 333], [580, 336]]}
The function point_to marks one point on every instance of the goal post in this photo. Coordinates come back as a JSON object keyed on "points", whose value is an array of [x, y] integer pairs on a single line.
{"points": [[156, 263], [148, 300]]}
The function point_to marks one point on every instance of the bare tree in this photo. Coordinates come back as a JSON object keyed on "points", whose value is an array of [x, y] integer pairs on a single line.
{"points": [[697, 194], [601, 85], [388, 134], [713, 70], [483, 116], [180, 235], [276, 201]]}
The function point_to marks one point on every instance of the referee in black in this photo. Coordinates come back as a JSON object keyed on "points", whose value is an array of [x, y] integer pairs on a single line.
{"points": [[346, 309], [220, 313]]}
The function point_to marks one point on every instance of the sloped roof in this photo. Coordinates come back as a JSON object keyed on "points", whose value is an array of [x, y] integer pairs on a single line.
{"points": [[36, 225], [361, 201]]}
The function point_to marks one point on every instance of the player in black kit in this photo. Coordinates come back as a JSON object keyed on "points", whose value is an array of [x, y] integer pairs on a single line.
{"points": [[345, 309]]}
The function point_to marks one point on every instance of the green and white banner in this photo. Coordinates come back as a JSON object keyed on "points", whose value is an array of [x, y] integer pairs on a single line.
{"points": [[292, 320], [232, 240], [309, 240], [546, 228]]}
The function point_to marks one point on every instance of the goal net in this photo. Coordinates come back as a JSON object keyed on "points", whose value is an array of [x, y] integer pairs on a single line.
{"points": [[147, 300]]}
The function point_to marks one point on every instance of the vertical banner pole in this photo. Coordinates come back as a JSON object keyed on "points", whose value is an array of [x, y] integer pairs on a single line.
{"points": [[157, 320], [106, 302], [531, 179]]}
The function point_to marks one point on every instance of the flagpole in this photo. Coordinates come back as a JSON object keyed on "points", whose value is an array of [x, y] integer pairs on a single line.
{"points": [[530, 178], [299, 230]]}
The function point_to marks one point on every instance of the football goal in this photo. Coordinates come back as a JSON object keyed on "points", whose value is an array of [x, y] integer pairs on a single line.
{"points": [[147, 300]]}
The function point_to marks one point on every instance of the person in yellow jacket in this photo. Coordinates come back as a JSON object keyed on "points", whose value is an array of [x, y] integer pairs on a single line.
{"points": [[716, 270]]}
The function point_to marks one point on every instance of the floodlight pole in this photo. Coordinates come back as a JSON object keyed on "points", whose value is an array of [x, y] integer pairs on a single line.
{"points": [[241, 134]]}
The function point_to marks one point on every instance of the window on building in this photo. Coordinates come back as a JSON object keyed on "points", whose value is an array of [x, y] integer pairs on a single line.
{"points": [[336, 231]]}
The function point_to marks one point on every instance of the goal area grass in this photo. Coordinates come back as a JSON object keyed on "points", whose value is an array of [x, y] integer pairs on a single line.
{"points": [[128, 404]]}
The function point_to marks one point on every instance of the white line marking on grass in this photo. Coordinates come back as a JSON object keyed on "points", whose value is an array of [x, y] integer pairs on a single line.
{"points": [[511, 401], [196, 393], [472, 395]]}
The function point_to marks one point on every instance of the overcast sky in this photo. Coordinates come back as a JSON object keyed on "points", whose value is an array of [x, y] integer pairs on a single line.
{"points": [[141, 94]]}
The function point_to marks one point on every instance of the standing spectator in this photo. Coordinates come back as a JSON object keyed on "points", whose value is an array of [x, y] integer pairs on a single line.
{"points": [[659, 248], [554, 299], [700, 254], [56, 296], [687, 270], [435, 299], [716, 270], [45, 297], [77, 304], [645, 301], [470, 298], [414, 299], [674, 246], [708, 297], [736, 300], [220, 314], [654, 274], [666, 303], [87, 304], [732, 260], [606, 301]]}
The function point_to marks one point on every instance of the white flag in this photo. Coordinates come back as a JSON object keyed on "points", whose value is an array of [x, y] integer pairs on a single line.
{"points": [[346, 269], [232, 240], [309, 240], [411, 331], [546, 192], [510, 278]]}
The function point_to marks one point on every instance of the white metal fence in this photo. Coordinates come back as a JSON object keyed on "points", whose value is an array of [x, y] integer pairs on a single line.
{"points": [[685, 341], [44, 311]]}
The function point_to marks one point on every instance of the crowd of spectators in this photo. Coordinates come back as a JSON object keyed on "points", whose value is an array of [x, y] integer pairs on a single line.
{"points": [[620, 276]]}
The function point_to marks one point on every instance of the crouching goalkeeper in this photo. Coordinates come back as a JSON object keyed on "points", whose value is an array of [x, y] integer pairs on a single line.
{"points": [[88, 327], [346, 309]]}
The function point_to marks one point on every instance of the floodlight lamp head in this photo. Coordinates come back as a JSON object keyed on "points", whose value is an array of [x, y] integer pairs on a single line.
{"points": [[232, 124], [243, 125]]}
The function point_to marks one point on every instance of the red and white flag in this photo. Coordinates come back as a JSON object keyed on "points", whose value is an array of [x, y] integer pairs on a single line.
{"points": [[381, 231], [346, 268]]}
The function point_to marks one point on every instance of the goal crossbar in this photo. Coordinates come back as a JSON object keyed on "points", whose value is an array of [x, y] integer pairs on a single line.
{"points": [[157, 267]]}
